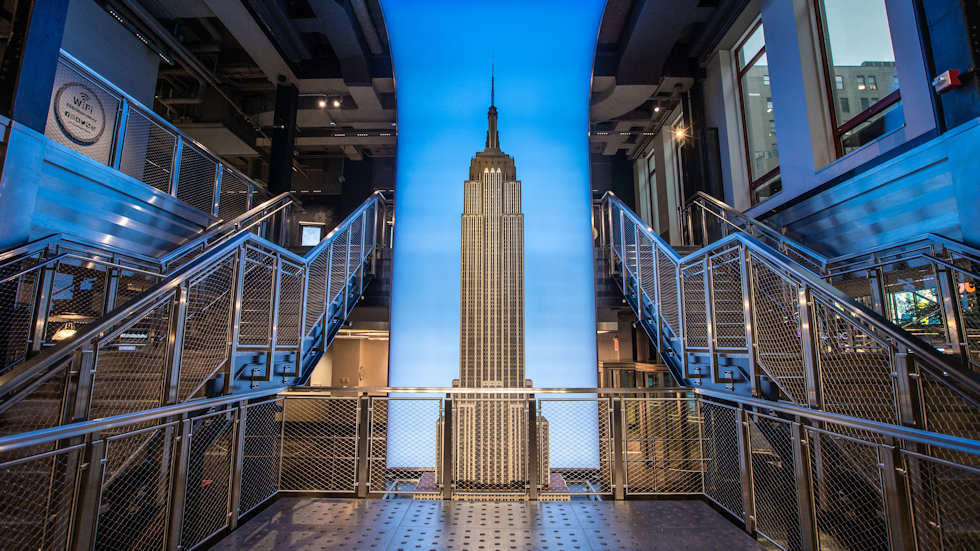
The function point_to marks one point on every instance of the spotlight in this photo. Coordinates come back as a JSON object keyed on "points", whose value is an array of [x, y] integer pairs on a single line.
{"points": [[321, 103], [656, 109], [680, 133], [336, 102], [67, 331]]}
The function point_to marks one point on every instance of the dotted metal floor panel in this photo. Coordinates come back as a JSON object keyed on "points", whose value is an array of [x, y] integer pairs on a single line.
{"points": [[340, 524]]}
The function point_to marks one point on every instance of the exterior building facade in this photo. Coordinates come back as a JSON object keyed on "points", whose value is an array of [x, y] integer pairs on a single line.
{"points": [[491, 436]]}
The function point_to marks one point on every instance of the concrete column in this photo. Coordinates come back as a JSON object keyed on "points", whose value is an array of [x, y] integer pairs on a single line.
{"points": [[283, 139]]}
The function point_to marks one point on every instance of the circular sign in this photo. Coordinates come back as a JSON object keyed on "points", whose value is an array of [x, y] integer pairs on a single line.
{"points": [[80, 113]]}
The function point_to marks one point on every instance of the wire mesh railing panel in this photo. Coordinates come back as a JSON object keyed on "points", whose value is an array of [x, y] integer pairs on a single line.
{"points": [[403, 461], [777, 329], [132, 284], [290, 304], [629, 245], [40, 409], [355, 244], [370, 226], [489, 445], [617, 230], [196, 178], [668, 299], [948, 412], [946, 512], [17, 298], [208, 476], [847, 492], [38, 491], [261, 454], [319, 447], [136, 490], [316, 289], [855, 369], [233, 195], [720, 448], [695, 311], [338, 265], [774, 481], [148, 151], [130, 367], [646, 266], [727, 301], [580, 453], [83, 113], [205, 347], [77, 296], [256, 309], [662, 446]]}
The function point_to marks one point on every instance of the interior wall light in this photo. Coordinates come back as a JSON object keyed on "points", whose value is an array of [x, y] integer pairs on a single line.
{"points": [[336, 102], [321, 103], [680, 133]]}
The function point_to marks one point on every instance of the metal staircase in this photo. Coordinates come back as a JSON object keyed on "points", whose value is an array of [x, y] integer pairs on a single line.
{"points": [[230, 310]]}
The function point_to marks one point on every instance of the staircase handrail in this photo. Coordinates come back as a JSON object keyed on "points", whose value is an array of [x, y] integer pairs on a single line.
{"points": [[37, 367], [939, 365]]}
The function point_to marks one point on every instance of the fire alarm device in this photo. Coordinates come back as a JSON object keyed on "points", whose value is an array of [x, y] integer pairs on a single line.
{"points": [[946, 81]]}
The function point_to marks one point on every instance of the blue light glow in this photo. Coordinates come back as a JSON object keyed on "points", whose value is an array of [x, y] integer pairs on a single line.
{"points": [[441, 52]]}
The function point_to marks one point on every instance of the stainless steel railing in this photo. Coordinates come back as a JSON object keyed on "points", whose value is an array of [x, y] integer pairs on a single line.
{"points": [[243, 301], [53, 287], [183, 474], [927, 284], [128, 136], [739, 310]]}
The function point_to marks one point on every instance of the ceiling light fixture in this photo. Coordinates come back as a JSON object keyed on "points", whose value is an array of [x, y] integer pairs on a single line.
{"points": [[336, 102], [321, 103]]}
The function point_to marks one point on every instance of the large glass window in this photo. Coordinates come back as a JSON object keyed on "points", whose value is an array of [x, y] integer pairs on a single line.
{"points": [[858, 57], [758, 123]]}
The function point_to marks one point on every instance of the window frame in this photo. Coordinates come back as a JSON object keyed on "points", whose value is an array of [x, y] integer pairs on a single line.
{"points": [[838, 130], [739, 72]]}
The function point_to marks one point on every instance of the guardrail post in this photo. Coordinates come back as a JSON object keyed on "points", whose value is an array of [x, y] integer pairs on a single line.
{"points": [[655, 299], [119, 137], [808, 330], [909, 403], [361, 253], [363, 444], [178, 479], [748, 305], [42, 304], [704, 226], [619, 461], [80, 398], [876, 288], [178, 313], [709, 317], [86, 513], [111, 290], [622, 253], [804, 496], [951, 310], [447, 447], [532, 448], [745, 470], [346, 284], [898, 506], [236, 319], [175, 164], [608, 214], [274, 318], [237, 461]]}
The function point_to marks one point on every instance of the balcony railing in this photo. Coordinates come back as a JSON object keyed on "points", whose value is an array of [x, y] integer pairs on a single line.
{"points": [[182, 475], [94, 117]]}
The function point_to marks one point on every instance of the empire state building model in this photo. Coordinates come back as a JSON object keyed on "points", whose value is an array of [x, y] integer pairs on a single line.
{"points": [[490, 437]]}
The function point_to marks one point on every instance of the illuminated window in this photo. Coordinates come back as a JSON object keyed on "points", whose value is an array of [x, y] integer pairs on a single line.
{"points": [[758, 123], [847, 47]]}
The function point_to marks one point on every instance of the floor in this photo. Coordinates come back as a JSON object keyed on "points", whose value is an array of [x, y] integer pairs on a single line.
{"points": [[404, 524]]}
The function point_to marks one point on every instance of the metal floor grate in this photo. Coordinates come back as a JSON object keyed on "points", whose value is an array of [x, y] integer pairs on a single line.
{"points": [[405, 524]]}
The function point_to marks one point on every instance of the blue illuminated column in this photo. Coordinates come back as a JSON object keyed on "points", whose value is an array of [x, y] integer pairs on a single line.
{"points": [[441, 53]]}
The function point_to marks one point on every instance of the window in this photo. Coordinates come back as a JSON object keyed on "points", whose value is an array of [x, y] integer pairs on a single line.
{"points": [[311, 234], [758, 123], [848, 47]]}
